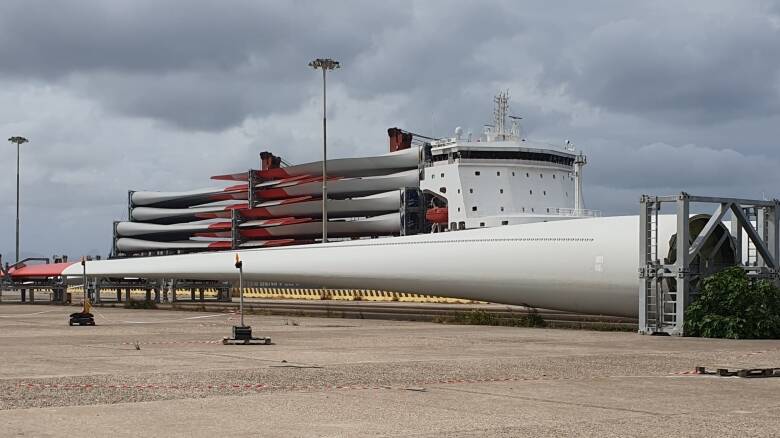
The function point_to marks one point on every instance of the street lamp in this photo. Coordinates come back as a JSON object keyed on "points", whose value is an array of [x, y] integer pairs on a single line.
{"points": [[324, 64], [19, 141]]}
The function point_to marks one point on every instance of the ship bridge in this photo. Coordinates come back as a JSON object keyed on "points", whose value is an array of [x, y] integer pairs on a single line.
{"points": [[502, 178]]}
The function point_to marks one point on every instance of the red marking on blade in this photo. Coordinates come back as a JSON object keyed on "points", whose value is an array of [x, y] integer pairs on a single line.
{"points": [[237, 187], [255, 233], [211, 215], [294, 200], [273, 194], [291, 179], [300, 181], [220, 245], [42, 270], [219, 234], [220, 226], [277, 242], [255, 213], [282, 221]]}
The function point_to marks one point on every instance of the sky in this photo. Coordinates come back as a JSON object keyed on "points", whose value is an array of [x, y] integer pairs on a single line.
{"points": [[125, 95]]}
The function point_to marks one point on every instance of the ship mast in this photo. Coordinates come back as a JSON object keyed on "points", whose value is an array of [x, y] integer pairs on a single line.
{"points": [[499, 114]]}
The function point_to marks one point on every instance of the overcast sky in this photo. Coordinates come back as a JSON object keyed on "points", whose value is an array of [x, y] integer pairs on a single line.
{"points": [[159, 95]]}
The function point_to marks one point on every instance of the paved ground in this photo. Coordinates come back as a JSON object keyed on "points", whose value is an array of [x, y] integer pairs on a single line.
{"points": [[142, 372]]}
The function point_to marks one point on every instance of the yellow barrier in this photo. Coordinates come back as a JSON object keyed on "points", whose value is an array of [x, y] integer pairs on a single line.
{"points": [[342, 295]]}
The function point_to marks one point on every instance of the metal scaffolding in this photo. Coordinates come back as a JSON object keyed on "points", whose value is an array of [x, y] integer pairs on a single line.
{"points": [[667, 285]]}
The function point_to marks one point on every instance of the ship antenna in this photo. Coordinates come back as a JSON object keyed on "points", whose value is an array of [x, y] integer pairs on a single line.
{"points": [[500, 112], [516, 130]]}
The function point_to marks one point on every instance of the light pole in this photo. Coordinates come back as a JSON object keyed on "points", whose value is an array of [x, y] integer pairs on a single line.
{"points": [[324, 64], [19, 141]]}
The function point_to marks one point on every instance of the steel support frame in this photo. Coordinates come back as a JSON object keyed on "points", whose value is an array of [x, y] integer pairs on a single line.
{"points": [[664, 312], [5, 280], [236, 218], [252, 181], [114, 238], [130, 205]]}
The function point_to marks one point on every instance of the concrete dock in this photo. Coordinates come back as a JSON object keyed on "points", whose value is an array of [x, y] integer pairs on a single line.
{"points": [[162, 373]]}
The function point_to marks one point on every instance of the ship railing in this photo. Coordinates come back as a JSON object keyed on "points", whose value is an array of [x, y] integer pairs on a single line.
{"points": [[575, 212]]}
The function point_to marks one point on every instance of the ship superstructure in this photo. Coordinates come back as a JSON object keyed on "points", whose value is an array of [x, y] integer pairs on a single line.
{"points": [[502, 178]]}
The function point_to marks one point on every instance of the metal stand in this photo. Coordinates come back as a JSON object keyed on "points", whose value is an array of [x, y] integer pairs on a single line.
{"points": [[242, 333], [84, 317], [667, 285]]}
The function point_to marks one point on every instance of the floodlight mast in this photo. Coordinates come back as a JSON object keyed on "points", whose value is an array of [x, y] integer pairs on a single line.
{"points": [[19, 141], [325, 64]]}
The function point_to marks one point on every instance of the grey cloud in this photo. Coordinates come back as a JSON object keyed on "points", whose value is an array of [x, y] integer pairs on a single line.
{"points": [[192, 100], [201, 65], [685, 68], [52, 39], [154, 95], [660, 165]]}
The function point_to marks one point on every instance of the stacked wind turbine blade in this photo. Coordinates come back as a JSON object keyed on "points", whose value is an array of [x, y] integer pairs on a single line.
{"points": [[364, 200]]}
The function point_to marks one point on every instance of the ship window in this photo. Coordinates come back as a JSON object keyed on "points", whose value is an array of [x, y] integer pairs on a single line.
{"points": [[498, 173], [545, 193], [443, 189], [458, 209], [442, 175], [471, 190], [527, 175], [532, 209], [507, 155], [502, 208], [500, 190], [474, 208], [567, 194], [433, 176], [553, 175], [523, 209], [476, 173], [504, 222], [541, 175], [481, 224], [548, 210], [530, 192], [458, 190], [513, 174]]}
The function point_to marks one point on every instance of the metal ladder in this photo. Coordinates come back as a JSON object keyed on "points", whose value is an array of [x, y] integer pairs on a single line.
{"points": [[653, 290], [660, 302], [752, 252]]}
